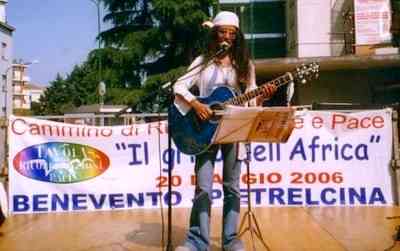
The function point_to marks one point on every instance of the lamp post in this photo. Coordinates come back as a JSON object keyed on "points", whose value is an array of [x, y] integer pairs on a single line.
{"points": [[101, 88]]}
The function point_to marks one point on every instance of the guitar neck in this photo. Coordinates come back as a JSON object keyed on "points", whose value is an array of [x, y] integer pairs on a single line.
{"points": [[241, 99]]}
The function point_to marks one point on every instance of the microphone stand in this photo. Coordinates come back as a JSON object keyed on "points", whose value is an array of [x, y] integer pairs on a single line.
{"points": [[224, 48], [170, 166]]}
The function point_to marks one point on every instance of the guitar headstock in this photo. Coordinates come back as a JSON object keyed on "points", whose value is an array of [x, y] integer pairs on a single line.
{"points": [[306, 72]]}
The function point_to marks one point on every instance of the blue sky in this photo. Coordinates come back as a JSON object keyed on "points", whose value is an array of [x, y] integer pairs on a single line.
{"points": [[58, 33]]}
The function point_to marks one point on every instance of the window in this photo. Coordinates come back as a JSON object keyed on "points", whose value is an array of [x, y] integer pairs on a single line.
{"points": [[264, 24], [4, 51], [4, 83]]}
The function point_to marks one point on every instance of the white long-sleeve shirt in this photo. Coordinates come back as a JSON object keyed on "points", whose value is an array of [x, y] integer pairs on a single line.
{"points": [[206, 79]]}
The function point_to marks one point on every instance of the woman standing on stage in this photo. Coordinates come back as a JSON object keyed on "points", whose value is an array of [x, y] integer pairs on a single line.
{"points": [[234, 69]]}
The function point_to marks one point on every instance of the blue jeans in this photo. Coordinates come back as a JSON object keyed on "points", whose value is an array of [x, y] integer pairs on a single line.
{"points": [[198, 237]]}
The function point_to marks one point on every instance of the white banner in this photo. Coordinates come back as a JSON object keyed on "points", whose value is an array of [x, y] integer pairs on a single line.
{"points": [[331, 159], [372, 20]]}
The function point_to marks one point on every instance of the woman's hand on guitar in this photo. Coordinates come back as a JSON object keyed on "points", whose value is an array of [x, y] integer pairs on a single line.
{"points": [[269, 90], [203, 111]]}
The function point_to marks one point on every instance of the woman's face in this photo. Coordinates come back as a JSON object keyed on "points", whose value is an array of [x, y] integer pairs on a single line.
{"points": [[226, 33]]}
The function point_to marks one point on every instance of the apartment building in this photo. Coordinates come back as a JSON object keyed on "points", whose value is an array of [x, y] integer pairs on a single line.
{"points": [[32, 94], [6, 32], [24, 92], [6, 46], [19, 82]]}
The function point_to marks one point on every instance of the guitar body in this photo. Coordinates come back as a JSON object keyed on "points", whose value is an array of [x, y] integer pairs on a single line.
{"points": [[192, 135]]}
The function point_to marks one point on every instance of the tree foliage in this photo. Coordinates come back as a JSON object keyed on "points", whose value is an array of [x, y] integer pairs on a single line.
{"points": [[147, 45]]}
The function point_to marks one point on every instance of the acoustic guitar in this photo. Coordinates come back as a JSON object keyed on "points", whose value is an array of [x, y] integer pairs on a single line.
{"points": [[193, 136]]}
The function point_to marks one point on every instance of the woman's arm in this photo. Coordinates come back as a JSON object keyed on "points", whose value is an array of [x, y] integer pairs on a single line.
{"points": [[184, 83], [183, 95]]}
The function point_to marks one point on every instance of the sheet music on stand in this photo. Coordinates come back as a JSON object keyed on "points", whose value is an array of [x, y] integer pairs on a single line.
{"points": [[255, 124]]}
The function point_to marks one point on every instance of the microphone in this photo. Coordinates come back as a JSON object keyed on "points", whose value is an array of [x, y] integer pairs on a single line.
{"points": [[224, 46]]}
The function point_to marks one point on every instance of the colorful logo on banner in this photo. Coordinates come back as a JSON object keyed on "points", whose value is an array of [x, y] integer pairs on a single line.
{"points": [[61, 162]]}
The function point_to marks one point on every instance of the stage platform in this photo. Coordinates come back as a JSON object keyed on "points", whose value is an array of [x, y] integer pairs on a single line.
{"points": [[291, 229]]}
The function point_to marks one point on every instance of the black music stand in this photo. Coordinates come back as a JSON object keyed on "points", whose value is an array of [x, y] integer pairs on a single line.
{"points": [[252, 224], [246, 124]]}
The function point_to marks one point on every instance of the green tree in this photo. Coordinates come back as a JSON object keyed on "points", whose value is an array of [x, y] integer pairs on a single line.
{"points": [[159, 35], [162, 38], [55, 98], [148, 43]]}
